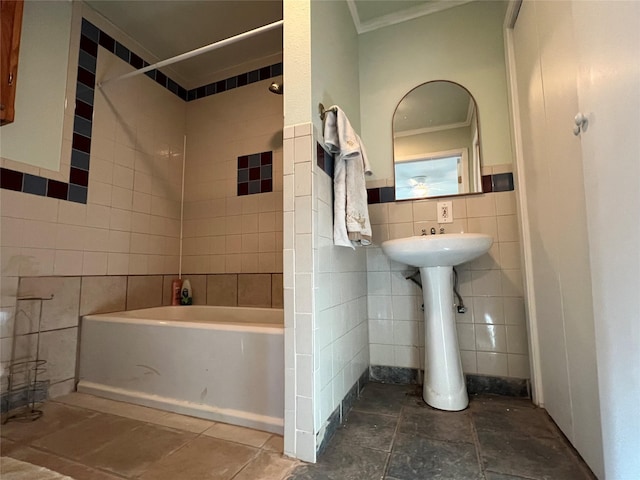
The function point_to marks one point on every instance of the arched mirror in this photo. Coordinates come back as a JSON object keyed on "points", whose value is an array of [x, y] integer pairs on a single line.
{"points": [[436, 142]]}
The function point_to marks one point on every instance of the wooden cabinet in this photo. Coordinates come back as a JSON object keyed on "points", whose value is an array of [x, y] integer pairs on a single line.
{"points": [[11, 14]]}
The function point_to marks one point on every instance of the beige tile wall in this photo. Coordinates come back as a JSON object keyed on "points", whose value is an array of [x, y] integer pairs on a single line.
{"points": [[493, 333], [223, 232]]}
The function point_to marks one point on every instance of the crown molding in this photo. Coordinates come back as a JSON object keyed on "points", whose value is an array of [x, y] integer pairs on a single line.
{"points": [[400, 16]]}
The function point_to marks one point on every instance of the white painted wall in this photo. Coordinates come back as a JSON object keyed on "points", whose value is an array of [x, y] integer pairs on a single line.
{"points": [[334, 57], [41, 86], [462, 44], [297, 61]]}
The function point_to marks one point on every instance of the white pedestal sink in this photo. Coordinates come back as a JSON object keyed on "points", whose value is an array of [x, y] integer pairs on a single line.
{"points": [[436, 255]]}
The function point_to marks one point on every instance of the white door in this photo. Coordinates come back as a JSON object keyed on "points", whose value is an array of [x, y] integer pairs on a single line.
{"points": [[609, 92], [546, 71]]}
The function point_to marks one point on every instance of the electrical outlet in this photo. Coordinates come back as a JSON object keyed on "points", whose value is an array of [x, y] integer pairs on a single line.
{"points": [[445, 212]]}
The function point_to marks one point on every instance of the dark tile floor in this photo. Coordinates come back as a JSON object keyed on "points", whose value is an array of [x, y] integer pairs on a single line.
{"points": [[392, 434]]}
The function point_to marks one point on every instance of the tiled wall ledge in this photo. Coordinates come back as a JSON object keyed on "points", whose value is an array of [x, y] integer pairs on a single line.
{"points": [[340, 413], [476, 384]]}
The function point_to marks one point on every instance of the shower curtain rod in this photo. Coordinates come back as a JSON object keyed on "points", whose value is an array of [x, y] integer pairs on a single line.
{"points": [[197, 51]]}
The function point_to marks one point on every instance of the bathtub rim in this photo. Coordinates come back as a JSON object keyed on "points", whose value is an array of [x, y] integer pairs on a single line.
{"points": [[125, 316]]}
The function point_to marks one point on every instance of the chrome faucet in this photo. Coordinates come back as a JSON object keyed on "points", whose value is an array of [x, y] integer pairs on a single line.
{"points": [[441, 230], [424, 231], [433, 231]]}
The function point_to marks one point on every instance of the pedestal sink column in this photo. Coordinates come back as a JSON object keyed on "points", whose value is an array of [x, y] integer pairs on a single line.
{"points": [[444, 386]]}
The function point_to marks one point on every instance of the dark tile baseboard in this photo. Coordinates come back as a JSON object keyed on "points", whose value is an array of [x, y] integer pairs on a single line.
{"points": [[395, 375], [476, 384], [340, 413], [509, 387]]}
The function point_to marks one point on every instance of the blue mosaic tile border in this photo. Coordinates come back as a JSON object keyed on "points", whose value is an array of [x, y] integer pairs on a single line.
{"points": [[236, 81], [76, 189], [255, 173]]}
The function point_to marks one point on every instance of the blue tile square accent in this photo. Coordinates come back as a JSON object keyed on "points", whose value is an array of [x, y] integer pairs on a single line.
{"points": [[122, 52], [254, 187], [82, 126], [232, 83], [253, 76], [151, 74], [254, 160], [34, 184], [87, 61], [79, 159], [210, 89], [502, 182], [84, 93], [266, 172], [90, 30], [172, 86], [78, 194], [243, 175], [387, 194], [276, 69], [191, 95]]}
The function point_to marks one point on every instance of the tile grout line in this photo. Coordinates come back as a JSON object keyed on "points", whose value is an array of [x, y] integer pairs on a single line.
{"points": [[476, 443], [393, 442]]}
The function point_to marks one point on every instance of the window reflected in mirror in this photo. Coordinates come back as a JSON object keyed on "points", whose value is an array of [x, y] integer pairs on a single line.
{"points": [[436, 142]]}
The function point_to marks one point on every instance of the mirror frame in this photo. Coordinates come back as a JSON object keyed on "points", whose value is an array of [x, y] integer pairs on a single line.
{"points": [[479, 143]]}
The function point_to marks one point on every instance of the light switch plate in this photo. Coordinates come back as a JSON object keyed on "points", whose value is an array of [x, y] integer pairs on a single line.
{"points": [[445, 212]]}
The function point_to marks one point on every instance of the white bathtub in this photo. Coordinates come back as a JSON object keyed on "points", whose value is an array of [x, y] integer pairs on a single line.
{"points": [[220, 363]]}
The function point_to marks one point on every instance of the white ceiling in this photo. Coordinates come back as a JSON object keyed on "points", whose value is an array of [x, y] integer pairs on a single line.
{"points": [[170, 27]]}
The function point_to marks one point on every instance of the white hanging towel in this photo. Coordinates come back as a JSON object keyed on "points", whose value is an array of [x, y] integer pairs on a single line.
{"points": [[351, 225]]}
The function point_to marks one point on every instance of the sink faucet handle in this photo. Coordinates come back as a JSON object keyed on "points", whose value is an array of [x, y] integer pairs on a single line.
{"points": [[433, 231], [441, 230], [424, 231]]}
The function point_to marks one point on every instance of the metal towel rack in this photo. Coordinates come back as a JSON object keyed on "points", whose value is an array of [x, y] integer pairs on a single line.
{"points": [[23, 375]]}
